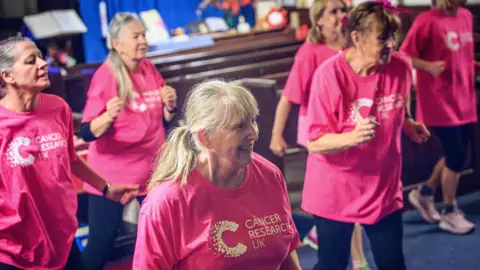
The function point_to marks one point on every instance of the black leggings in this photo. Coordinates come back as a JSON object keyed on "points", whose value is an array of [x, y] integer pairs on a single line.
{"points": [[74, 261], [105, 217], [455, 142], [386, 242]]}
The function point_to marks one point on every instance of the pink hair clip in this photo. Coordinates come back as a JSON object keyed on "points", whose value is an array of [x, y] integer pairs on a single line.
{"points": [[394, 10], [344, 20]]}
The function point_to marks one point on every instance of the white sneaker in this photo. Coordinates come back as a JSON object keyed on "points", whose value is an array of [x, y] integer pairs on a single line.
{"points": [[426, 206], [456, 223]]}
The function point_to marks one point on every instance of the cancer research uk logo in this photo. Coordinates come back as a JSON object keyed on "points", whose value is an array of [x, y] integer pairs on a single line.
{"points": [[384, 105], [45, 144], [147, 99], [454, 40], [354, 108], [258, 228], [13, 153]]}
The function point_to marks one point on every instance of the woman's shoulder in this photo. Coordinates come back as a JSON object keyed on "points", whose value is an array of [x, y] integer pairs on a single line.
{"points": [[308, 50], [402, 60], [464, 12], [162, 198], [265, 167], [330, 66], [53, 102], [105, 69]]}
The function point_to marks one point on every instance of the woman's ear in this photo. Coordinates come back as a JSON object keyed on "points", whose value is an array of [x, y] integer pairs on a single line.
{"points": [[6, 77], [356, 37], [116, 45], [203, 138]]}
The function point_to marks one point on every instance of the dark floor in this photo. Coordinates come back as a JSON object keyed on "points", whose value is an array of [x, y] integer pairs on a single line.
{"points": [[426, 246]]}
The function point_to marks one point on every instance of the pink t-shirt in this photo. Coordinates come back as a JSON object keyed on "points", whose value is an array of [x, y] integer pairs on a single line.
{"points": [[449, 99], [361, 184], [200, 225], [38, 202], [297, 88], [126, 153]]}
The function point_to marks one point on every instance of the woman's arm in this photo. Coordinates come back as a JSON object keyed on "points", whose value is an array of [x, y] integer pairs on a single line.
{"points": [[102, 123], [333, 143], [278, 144], [99, 125], [435, 68], [121, 194], [291, 262], [168, 115]]}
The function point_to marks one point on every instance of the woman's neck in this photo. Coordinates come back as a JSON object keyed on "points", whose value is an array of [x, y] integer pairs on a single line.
{"points": [[452, 10], [358, 62], [20, 101], [132, 65], [222, 173], [337, 44]]}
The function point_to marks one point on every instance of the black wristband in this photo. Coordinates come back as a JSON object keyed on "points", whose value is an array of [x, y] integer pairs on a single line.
{"points": [[408, 116], [105, 189], [86, 133], [174, 110]]}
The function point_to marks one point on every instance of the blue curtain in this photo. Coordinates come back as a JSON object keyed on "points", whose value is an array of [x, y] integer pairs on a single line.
{"points": [[175, 13]]}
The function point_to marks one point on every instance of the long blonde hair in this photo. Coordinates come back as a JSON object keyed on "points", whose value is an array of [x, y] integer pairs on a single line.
{"points": [[316, 12], [124, 83], [210, 105]]}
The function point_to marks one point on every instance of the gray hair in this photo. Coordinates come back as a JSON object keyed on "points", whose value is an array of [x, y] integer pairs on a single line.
{"points": [[8, 57], [210, 105], [124, 83]]}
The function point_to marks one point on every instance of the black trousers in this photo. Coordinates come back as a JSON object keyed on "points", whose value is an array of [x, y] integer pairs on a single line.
{"points": [[386, 242], [105, 218]]}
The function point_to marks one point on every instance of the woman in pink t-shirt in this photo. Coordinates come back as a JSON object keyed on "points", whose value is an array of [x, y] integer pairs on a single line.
{"points": [[38, 202], [128, 106], [356, 115], [324, 40], [214, 203], [440, 43]]}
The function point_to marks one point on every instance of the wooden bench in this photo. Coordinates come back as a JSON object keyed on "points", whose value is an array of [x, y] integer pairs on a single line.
{"points": [[221, 62]]}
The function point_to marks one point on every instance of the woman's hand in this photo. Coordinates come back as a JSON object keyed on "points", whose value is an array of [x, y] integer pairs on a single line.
{"points": [[169, 97], [114, 106]]}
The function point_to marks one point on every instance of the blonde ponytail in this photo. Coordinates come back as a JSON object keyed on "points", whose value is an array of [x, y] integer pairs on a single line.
{"points": [[178, 157]]}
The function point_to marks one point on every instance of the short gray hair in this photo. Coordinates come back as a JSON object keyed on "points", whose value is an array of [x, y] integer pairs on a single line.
{"points": [[7, 55]]}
